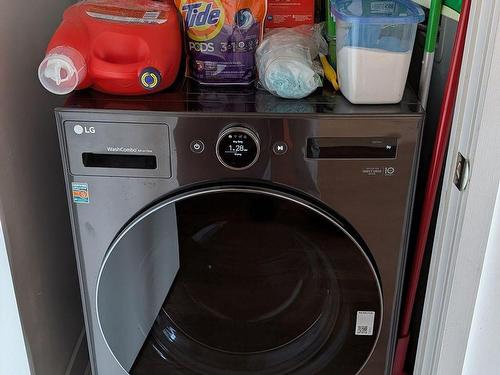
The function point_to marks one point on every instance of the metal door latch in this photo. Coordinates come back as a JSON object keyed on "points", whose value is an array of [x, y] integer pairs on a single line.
{"points": [[462, 172]]}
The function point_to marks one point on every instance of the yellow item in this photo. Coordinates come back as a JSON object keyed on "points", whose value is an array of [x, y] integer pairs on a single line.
{"points": [[330, 73]]}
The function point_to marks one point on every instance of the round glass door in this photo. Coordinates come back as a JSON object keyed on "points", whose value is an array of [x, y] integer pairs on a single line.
{"points": [[268, 284]]}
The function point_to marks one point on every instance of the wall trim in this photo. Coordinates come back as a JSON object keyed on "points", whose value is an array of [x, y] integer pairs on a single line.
{"points": [[464, 218]]}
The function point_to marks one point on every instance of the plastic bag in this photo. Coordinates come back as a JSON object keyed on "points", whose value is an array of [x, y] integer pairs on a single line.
{"points": [[285, 61], [221, 38]]}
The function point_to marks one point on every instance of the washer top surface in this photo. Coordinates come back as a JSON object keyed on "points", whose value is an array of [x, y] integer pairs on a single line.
{"points": [[187, 96]]}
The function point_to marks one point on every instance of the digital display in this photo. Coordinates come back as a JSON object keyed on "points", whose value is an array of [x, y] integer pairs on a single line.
{"points": [[238, 148]]}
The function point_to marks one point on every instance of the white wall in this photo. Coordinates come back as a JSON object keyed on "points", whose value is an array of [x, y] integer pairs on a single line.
{"points": [[483, 348], [13, 356]]}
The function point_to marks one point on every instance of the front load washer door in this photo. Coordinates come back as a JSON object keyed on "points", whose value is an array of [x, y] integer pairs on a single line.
{"points": [[269, 283], [135, 277]]}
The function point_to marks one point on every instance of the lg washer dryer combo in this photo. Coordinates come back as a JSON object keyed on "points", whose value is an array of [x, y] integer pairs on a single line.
{"points": [[227, 232]]}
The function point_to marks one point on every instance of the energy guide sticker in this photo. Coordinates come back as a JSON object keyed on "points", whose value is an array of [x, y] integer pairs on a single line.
{"points": [[364, 323], [80, 192]]}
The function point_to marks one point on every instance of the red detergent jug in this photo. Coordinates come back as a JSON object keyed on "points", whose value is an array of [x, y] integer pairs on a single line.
{"points": [[125, 47]]}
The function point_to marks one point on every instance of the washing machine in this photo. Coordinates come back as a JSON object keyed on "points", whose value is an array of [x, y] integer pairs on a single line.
{"points": [[224, 231]]}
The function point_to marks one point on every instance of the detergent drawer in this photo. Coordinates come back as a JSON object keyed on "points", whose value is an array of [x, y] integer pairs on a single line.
{"points": [[118, 149]]}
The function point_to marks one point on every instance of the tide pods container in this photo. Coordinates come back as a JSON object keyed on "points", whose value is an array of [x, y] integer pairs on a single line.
{"points": [[374, 46]]}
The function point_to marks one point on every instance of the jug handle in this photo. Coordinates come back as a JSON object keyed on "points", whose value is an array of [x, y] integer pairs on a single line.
{"points": [[106, 70]]}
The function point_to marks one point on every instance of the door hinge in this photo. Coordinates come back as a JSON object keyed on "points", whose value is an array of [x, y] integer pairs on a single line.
{"points": [[462, 172]]}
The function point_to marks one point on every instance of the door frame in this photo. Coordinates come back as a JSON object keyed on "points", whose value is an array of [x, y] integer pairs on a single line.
{"points": [[465, 218]]}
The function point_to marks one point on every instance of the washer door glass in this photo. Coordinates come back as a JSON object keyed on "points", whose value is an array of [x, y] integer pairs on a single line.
{"points": [[268, 284]]}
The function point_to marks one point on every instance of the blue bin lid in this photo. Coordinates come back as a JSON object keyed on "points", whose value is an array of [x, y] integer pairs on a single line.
{"points": [[377, 11]]}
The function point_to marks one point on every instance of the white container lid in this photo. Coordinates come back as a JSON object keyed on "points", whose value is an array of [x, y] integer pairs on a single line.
{"points": [[377, 12]]}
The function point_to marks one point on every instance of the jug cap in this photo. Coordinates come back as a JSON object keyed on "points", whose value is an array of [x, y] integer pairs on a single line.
{"points": [[62, 70]]}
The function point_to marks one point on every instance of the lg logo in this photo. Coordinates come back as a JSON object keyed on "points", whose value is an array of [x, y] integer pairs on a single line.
{"points": [[78, 129]]}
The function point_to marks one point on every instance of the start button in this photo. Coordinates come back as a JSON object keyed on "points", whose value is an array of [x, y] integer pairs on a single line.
{"points": [[280, 148]]}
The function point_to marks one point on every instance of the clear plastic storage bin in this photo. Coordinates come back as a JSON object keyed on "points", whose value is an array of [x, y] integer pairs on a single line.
{"points": [[374, 46]]}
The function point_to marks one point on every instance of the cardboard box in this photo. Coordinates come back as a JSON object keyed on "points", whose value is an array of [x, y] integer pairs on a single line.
{"points": [[289, 13]]}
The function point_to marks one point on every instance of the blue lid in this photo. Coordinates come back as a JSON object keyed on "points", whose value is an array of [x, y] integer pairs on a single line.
{"points": [[377, 11]]}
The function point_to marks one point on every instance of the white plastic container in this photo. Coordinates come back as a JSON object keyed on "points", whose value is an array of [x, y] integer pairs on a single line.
{"points": [[374, 46]]}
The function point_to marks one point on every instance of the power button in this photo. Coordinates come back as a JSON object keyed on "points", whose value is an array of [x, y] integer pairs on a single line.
{"points": [[197, 146]]}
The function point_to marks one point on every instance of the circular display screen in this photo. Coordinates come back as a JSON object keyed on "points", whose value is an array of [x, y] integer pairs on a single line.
{"points": [[238, 148]]}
